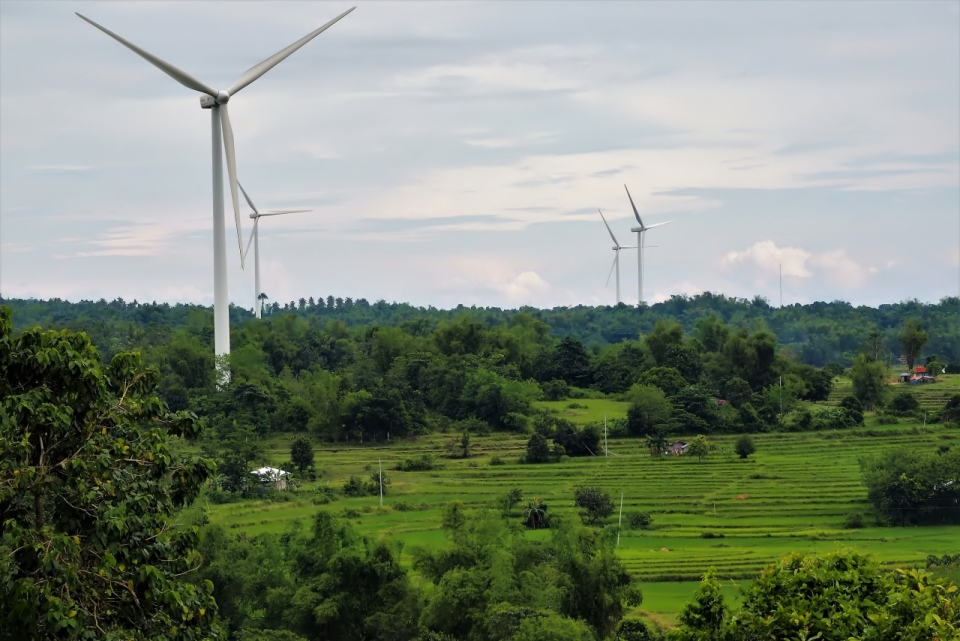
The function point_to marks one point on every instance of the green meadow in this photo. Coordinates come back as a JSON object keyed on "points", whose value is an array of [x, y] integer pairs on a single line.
{"points": [[733, 515]]}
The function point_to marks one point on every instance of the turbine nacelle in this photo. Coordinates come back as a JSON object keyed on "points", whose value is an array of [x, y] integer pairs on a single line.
{"points": [[209, 102]]}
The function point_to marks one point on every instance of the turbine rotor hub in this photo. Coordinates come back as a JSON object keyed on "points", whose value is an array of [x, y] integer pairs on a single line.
{"points": [[223, 97]]}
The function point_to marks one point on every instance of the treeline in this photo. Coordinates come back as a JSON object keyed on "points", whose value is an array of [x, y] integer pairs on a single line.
{"points": [[816, 333]]}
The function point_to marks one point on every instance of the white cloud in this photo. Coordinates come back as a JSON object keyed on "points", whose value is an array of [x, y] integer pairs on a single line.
{"points": [[765, 257], [763, 261]]}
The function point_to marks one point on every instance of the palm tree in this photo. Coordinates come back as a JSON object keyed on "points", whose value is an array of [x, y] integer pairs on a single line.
{"points": [[535, 514]]}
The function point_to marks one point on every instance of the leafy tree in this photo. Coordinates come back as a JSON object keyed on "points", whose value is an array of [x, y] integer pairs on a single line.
{"points": [[951, 410], [665, 335], [512, 498], [912, 339], [703, 618], [657, 442], [465, 444], [699, 446], [904, 402], [301, 453], [854, 407], [572, 362], [89, 485], [668, 379], [737, 391], [639, 520], [594, 503], [906, 486], [869, 382], [538, 450], [574, 441], [649, 410], [744, 446]]}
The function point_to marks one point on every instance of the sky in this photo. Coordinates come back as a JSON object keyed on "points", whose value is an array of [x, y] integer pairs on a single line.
{"points": [[457, 153]]}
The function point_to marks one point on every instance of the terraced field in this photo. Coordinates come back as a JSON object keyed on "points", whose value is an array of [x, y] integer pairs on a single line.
{"points": [[736, 516]]}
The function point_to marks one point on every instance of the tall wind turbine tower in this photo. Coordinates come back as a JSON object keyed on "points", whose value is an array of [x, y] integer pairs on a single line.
{"points": [[616, 256], [641, 230], [216, 102], [255, 239]]}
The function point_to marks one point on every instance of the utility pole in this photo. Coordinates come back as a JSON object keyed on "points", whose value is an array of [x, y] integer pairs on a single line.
{"points": [[620, 520]]}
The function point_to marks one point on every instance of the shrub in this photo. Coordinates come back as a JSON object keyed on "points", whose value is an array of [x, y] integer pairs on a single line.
{"points": [[745, 446], [634, 630], [402, 506], [904, 402], [555, 390], [712, 535], [424, 463], [350, 513], [854, 521], [496, 460], [639, 520]]}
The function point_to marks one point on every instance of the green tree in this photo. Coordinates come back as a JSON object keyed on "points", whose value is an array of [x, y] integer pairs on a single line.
{"points": [[668, 379], [869, 382], [912, 339], [535, 514], [699, 446], [301, 453], [657, 442], [511, 499], [465, 444], [744, 446], [89, 485], [649, 410], [703, 618], [594, 503], [538, 450], [665, 334]]}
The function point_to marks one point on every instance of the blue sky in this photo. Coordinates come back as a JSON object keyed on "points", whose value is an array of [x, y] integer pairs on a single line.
{"points": [[457, 152]]}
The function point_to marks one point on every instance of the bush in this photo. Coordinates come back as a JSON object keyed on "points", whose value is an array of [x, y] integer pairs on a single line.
{"points": [[834, 418], [424, 463], [634, 630], [745, 446], [639, 520], [712, 535], [953, 368], [904, 402], [402, 506], [853, 521], [555, 390], [496, 460]]}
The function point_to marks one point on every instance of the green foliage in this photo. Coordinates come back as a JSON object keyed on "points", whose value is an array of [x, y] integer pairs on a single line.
{"points": [[907, 486], [634, 630], [699, 446], [639, 520], [301, 453], [912, 338], [594, 503], [423, 463], [492, 582], [538, 450], [668, 379], [535, 514], [744, 446], [511, 499], [951, 410], [854, 521], [703, 618], [904, 402], [869, 382], [649, 411], [89, 485]]}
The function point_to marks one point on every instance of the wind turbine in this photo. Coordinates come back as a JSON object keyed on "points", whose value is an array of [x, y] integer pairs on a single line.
{"points": [[255, 239], [216, 101], [640, 232], [616, 257]]}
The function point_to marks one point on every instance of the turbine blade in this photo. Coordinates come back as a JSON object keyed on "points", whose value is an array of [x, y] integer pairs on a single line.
{"points": [[258, 70], [253, 232], [612, 267], [230, 151], [288, 211], [635, 212], [609, 230], [179, 75], [659, 224], [249, 202]]}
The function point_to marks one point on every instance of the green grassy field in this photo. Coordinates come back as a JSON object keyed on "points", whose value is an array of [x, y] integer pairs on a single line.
{"points": [[794, 494]]}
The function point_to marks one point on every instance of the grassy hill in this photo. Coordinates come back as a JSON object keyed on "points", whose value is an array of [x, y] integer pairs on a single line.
{"points": [[794, 494]]}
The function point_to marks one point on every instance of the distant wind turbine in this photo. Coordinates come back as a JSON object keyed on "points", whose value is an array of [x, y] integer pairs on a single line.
{"points": [[216, 102], [255, 239], [640, 233], [616, 256]]}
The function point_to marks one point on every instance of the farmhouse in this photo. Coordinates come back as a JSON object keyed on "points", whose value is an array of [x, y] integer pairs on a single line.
{"points": [[271, 478], [678, 448]]}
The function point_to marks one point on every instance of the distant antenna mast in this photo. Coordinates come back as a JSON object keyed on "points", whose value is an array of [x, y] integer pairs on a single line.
{"points": [[620, 520], [380, 463]]}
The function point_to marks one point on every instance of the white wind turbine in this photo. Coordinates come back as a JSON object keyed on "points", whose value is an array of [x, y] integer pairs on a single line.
{"points": [[255, 239], [216, 102], [616, 256], [640, 233]]}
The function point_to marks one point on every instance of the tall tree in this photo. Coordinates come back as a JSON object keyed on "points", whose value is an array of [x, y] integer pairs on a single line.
{"points": [[869, 381], [912, 339], [88, 486]]}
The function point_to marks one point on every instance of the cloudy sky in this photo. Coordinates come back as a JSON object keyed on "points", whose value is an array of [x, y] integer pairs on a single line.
{"points": [[458, 152]]}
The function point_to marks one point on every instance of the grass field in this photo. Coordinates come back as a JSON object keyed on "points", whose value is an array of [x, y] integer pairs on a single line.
{"points": [[793, 495]]}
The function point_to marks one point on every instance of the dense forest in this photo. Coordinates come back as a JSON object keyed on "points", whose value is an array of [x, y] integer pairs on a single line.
{"points": [[816, 333]]}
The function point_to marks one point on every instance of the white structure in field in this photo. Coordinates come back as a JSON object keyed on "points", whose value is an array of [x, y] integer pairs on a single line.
{"points": [[641, 230]]}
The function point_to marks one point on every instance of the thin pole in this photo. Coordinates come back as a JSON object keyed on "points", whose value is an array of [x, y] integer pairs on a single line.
{"points": [[640, 268], [380, 463], [221, 300], [781, 285], [620, 520], [256, 265], [616, 259]]}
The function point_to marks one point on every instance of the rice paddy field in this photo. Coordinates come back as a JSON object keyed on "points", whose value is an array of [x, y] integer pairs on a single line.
{"points": [[737, 516]]}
